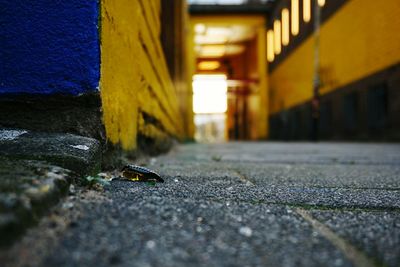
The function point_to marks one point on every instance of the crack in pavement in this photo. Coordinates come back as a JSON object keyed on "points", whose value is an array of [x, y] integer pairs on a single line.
{"points": [[244, 178], [357, 257]]}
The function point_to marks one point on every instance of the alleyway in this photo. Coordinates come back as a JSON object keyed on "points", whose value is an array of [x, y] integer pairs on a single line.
{"points": [[245, 98], [235, 204]]}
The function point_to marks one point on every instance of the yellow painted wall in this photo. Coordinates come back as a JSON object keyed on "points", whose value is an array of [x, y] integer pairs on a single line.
{"points": [[263, 90], [134, 75], [361, 38]]}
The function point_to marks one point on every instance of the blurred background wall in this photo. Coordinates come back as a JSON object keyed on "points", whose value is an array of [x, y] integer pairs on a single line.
{"points": [[139, 74], [359, 50]]}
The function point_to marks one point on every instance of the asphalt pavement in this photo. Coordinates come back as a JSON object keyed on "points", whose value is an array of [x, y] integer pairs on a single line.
{"points": [[234, 204]]}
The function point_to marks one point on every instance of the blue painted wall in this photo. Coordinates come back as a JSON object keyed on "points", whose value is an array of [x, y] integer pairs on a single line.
{"points": [[49, 46]]}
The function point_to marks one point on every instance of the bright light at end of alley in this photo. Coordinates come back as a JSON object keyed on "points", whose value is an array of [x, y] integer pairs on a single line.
{"points": [[209, 94]]}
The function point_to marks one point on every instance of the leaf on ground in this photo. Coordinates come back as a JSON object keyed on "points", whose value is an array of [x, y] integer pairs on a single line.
{"points": [[216, 158], [151, 183]]}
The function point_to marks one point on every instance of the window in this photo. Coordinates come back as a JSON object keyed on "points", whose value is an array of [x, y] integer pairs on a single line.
{"points": [[350, 110], [277, 37], [270, 46], [295, 17], [306, 10], [285, 26], [325, 121], [377, 105]]}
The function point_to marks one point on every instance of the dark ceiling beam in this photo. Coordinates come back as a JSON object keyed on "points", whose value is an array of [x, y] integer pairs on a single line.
{"points": [[229, 9]]}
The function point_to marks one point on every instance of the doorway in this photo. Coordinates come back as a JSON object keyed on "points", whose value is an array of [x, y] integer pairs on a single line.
{"points": [[229, 53], [210, 104]]}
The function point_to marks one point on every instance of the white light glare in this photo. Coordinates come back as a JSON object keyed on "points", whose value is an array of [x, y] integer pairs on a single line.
{"points": [[210, 94]]}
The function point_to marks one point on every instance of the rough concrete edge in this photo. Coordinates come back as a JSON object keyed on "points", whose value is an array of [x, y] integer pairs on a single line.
{"points": [[80, 115], [33, 205], [91, 167]]}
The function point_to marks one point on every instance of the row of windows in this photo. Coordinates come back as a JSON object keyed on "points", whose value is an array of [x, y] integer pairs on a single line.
{"points": [[349, 114], [280, 34]]}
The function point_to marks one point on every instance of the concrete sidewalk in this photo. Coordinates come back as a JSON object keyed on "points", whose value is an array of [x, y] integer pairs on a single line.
{"points": [[236, 204]]}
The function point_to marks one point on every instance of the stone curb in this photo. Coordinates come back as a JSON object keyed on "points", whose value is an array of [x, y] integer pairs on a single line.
{"points": [[36, 170], [27, 190], [77, 153]]}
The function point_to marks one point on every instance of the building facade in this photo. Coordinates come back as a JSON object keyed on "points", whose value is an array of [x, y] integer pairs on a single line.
{"points": [[358, 64], [93, 68]]}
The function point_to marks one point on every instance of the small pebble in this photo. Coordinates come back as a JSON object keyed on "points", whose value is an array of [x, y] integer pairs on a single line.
{"points": [[72, 190], [68, 205], [150, 244], [246, 231]]}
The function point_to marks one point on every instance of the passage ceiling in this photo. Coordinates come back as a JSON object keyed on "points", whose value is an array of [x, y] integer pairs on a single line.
{"points": [[221, 40]]}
